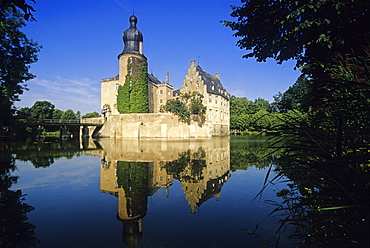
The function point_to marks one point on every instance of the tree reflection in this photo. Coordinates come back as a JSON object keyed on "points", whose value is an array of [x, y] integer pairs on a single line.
{"points": [[15, 229], [252, 151], [188, 167], [201, 178], [43, 154]]}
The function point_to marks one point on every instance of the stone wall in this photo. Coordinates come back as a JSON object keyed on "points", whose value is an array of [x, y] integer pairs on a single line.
{"points": [[158, 125]]}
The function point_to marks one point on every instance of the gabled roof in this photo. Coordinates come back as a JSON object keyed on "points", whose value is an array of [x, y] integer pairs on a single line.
{"points": [[153, 79], [213, 84]]}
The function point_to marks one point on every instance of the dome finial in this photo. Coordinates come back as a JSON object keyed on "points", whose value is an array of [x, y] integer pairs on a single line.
{"points": [[132, 38]]}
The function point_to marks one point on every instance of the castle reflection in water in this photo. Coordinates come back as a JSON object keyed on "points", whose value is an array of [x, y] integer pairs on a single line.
{"points": [[132, 170]]}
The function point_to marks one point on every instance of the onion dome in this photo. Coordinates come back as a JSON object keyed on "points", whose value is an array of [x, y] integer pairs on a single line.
{"points": [[132, 38]]}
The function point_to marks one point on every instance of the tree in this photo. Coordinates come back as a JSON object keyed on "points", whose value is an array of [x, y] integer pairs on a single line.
{"points": [[242, 112], [177, 107], [90, 115], [70, 115], [302, 30], [260, 104], [240, 105], [26, 8], [328, 146], [195, 100], [57, 114], [293, 98], [187, 104], [17, 52], [42, 110]]}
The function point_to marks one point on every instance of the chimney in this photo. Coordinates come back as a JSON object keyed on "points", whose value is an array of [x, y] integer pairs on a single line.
{"points": [[218, 76], [167, 78], [192, 63]]}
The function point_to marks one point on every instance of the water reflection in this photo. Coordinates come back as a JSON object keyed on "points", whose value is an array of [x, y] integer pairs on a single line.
{"points": [[16, 230], [182, 176], [132, 170]]}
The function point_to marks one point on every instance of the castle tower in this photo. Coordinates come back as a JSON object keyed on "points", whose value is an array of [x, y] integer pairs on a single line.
{"points": [[133, 48], [133, 73]]}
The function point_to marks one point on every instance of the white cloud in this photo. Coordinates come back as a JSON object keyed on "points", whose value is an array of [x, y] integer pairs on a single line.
{"points": [[80, 94]]}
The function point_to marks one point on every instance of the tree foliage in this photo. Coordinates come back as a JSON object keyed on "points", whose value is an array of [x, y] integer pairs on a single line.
{"points": [[42, 110], [290, 29], [17, 52], [90, 115], [251, 115], [70, 115], [188, 167], [294, 97], [187, 104], [326, 151], [22, 4], [46, 110], [57, 114]]}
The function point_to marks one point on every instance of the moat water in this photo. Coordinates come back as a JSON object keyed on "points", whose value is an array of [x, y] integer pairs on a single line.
{"points": [[138, 193]]}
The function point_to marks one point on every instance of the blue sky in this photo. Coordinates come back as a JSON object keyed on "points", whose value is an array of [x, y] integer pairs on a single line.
{"points": [[82, 38]]}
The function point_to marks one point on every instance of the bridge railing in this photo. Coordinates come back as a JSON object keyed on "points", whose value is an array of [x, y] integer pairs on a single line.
{"points": [[51, 121], [93, 120]]}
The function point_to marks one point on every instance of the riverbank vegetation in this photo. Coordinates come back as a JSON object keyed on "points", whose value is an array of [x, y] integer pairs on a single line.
{"points": [[26, 117], [324, 151], [17, 53], [251, 117]]}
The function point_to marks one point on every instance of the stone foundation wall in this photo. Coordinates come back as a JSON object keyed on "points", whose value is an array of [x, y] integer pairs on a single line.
{"points": [[158, 125]]}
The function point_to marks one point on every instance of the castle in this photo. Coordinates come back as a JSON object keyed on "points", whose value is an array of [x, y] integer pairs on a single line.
{"points": [[131, 101]]}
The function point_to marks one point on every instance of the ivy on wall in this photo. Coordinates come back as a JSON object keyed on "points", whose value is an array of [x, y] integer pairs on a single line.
{"points": [[133, 178], [133, 95]]}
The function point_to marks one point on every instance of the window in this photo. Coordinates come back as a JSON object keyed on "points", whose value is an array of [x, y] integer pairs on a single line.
{"points": [[210, 114], [210, 98], [216, 98], [161, 92], [160, 101], [117, 85], [130, 59]]}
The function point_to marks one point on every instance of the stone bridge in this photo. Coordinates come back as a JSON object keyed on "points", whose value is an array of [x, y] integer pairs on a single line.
{"points": [[88, 126]]}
